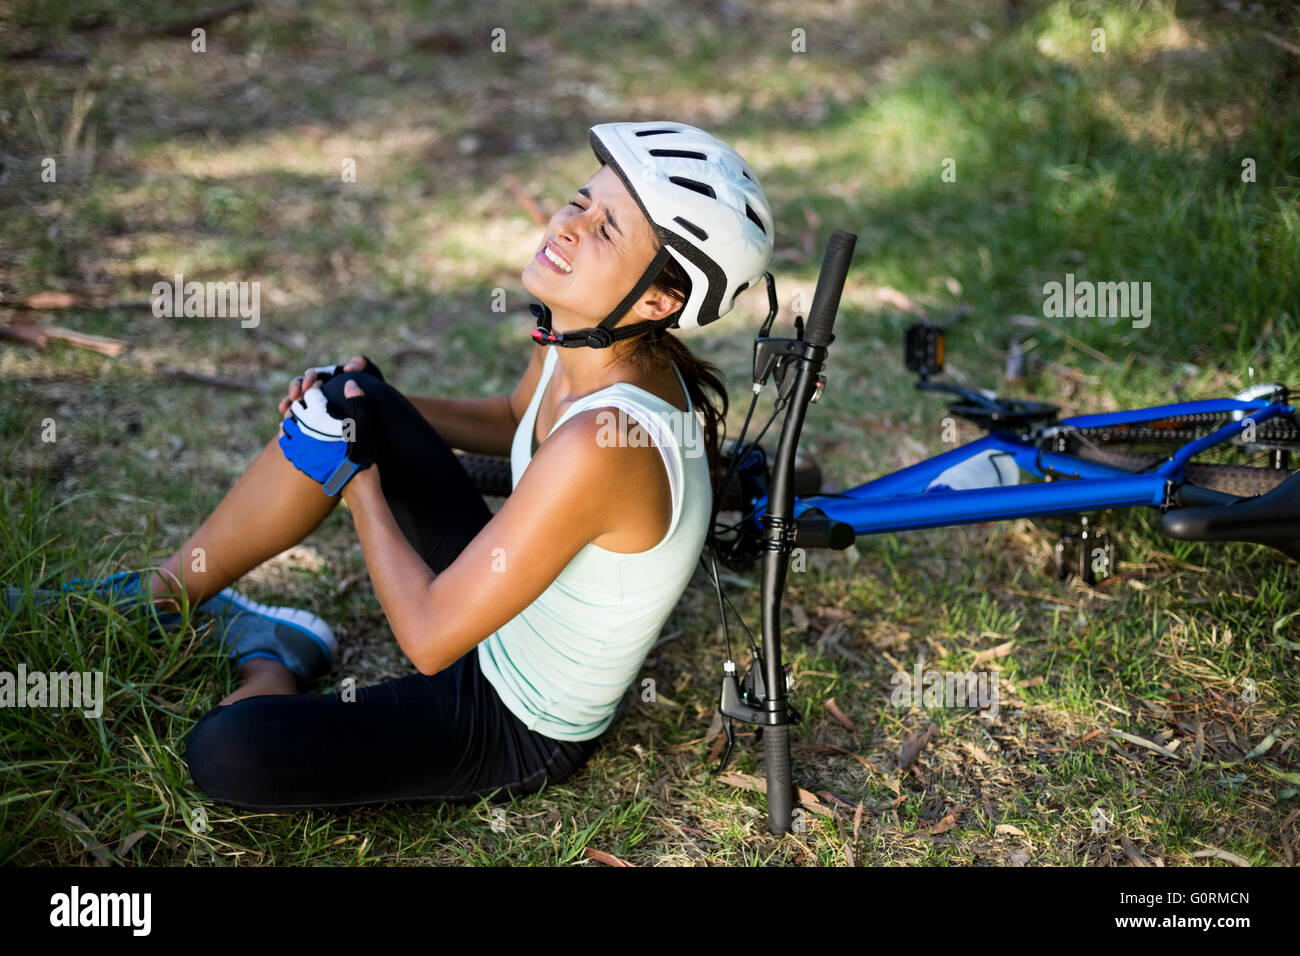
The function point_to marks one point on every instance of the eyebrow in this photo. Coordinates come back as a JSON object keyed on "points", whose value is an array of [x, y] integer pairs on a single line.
{"points": [[584, 191]]}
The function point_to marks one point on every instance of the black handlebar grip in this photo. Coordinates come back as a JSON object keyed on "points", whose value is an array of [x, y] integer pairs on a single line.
{"points": [[780, 787], [830, 284]]}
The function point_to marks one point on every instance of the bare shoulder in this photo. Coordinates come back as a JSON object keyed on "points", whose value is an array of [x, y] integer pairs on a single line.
{"points": [[585, 484], [606, 442], [612, 463]]}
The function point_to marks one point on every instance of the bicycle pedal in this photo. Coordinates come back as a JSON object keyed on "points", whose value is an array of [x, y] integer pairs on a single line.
{"points": [[1086, 551]]}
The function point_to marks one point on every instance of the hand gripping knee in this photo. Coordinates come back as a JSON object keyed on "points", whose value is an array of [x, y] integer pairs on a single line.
{"points": [[327, 449]]}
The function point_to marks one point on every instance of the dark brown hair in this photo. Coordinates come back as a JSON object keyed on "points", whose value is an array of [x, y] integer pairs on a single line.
{"points": [[659, 348]]}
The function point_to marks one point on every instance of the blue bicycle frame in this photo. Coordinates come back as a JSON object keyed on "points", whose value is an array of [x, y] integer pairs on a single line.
{"points": [[908, 499]]}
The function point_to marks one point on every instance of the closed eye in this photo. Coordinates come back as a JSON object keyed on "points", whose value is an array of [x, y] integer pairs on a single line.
{"points": [[602, 228]]}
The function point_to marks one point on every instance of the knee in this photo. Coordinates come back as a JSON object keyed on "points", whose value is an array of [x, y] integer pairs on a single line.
{"points": [[219, 752]]}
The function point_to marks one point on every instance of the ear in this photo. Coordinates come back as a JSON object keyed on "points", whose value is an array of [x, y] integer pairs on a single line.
{"points": [[655, 304]]}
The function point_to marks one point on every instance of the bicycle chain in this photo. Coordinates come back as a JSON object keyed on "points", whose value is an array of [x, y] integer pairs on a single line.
{"points": [[1271, 431]]}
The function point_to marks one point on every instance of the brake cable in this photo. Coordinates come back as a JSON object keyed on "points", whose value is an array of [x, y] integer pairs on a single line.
{"points": [[741, 451]]}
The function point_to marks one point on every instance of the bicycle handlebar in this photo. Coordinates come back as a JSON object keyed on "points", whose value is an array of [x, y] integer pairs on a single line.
{"points": [[830, 284], [780, 780]]}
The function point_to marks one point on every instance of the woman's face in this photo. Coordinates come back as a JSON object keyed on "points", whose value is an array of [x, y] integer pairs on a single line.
{"points": [[606, 244]]}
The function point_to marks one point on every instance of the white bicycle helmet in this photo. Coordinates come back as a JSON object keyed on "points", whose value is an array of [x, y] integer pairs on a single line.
{"points": [[707, 208]]}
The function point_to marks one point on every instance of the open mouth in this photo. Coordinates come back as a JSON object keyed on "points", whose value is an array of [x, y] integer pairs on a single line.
{"points": [[553, 260]]}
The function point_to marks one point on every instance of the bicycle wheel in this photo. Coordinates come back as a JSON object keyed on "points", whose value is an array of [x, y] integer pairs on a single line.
{"points": [[807, 478], [491, 476], [1243, 468], [490, 473]]}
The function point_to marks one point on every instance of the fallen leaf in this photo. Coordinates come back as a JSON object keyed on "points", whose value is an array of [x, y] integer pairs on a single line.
{"points": [[1143, 742], [130, 841], [913, 745], [946, 823], [839, 715], [810, 802], [1222, 855], [1008, 829], [1262, 747], [744, 781], [600, 856], [832, 798], [1159, 710], [87, 837], [992, 653], [831, 748], [1282, 774], [749, 782], [1131, 851]]}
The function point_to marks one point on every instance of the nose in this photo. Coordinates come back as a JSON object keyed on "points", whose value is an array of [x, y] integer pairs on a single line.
{"points": [[567, 226]]}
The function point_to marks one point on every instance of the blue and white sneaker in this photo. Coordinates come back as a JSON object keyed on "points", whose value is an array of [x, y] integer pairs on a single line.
{"points": [[125, 591], [298, 639]]}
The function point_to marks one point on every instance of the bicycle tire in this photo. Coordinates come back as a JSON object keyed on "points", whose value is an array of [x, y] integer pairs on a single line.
{"points": [[1245, 481], [807, 479], [491, 475]]}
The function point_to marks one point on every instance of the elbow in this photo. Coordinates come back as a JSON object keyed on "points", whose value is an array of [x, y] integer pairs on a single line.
{"points": [[426, 652], [428, 661], [437, 657]]}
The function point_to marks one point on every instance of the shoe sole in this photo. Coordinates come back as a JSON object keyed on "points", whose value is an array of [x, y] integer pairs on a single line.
{"points": [[302, 621]]}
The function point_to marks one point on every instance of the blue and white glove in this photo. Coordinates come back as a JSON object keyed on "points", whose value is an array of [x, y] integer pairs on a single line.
{"points": [[327, 449]]}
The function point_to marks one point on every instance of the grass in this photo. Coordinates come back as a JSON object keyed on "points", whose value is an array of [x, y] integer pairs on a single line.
{"points": [[1122, 165]]}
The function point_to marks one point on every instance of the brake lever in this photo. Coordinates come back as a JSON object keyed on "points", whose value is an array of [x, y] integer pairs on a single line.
{"points": [[731, 743]]}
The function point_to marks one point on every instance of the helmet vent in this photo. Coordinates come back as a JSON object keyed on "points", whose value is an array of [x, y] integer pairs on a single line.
{"points": [[746, 175], [699, 187], [683, 153], [693, 229], [654, 132], [754, 219]]}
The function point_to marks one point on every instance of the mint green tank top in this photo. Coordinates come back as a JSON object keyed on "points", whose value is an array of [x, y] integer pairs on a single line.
{"points": [[564, 662]]}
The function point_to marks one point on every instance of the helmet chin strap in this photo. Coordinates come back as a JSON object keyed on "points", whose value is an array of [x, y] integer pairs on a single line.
{"points": [[604, 335]]}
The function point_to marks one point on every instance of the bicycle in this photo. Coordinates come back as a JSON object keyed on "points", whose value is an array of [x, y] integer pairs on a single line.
{"points": [[1135, 458]]}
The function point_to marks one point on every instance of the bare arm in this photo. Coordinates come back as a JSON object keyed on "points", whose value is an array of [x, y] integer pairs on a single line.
{"points": [[525, 546]]}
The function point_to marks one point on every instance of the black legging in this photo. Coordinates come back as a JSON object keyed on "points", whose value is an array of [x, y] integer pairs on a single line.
{"points": [[442, 738]]}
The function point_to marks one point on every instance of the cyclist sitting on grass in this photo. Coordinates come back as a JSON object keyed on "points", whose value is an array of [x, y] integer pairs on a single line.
{"points": [[526, 627]]}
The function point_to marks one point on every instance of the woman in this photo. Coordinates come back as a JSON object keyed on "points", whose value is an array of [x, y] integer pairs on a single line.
{"points": [[526, 627]]}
